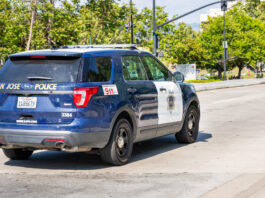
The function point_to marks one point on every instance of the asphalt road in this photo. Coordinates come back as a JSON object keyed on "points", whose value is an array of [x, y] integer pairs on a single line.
{"points": [[228, 160]]}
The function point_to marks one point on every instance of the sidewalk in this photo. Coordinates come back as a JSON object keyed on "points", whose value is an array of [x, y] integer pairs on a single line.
{"points": [[227, 84]]}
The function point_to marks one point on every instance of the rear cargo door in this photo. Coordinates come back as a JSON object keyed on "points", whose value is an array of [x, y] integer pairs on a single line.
{"points": [[38, 89]]}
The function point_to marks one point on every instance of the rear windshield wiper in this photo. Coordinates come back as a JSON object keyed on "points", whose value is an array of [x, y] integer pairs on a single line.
{"points": [[33, 78]]}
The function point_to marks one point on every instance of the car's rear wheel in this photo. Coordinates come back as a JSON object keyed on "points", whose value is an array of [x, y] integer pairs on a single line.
{"points": [[119, 149], [17, 154], [190, 129]]}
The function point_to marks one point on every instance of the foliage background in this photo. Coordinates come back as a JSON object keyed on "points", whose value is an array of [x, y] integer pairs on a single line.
{"points": [[40, 24]]}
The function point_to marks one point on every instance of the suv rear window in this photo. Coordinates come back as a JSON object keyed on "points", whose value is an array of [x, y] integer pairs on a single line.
{"points": [[97, 69], [58, 70]]}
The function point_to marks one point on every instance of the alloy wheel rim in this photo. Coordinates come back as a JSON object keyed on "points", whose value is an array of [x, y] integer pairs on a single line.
{"points": [[191, 124], [122, 142]]}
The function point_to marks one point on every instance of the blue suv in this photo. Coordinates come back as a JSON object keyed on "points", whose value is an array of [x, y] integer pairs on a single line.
{"points": [[83, 98]]}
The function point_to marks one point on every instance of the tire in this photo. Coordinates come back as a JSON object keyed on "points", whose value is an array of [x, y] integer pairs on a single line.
{"points": [[17, 154], [119, 149], [190, 128]]}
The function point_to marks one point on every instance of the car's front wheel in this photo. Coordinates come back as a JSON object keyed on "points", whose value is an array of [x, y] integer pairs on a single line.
{"points": [[17, 154], [189, 131], [119, 149]]}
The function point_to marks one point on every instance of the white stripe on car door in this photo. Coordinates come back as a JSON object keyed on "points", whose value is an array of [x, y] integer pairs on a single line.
{"points": [[170, 104]]}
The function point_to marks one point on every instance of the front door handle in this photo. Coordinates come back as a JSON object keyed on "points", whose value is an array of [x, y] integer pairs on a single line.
{"points": [[163, 89], [132, 90]]}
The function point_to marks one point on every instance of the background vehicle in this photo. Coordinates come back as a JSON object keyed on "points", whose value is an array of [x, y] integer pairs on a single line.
{"points": [[80, 98]]}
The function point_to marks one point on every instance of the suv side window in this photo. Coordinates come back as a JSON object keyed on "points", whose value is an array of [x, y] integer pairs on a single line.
{"points": [[97, 69], [133, 68], [158, 71]]}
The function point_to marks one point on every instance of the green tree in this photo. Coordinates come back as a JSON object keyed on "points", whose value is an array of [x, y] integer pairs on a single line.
{"points": [[144, 26], [14, 27], [102, 22], [245, 36], [181, 46], [255, 8], [211, 40], [178, 42], [37, 25], [56, 24], [247, 41]]}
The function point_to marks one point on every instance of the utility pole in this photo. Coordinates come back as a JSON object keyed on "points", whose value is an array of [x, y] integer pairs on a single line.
{"points": [[154, 28], [131, 7], [225, 53], [225, 49]]}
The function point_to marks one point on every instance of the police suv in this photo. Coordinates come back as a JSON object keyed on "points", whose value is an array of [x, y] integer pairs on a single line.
{"points": [[83, 98]]}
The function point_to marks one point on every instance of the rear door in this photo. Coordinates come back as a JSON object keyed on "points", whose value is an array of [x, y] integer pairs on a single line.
{"points": [[142, 95], [38, 89], [170, 104]]}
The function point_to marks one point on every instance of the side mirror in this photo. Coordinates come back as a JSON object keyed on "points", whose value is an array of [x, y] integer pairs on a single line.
{"points": [[179, 76]]}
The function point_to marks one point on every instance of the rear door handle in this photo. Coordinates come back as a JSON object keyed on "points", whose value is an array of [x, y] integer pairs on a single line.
{"points": [[163, 89], [132, 90]]}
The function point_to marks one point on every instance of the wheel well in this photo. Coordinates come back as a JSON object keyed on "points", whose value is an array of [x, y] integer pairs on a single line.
{"points": [[127, 116], [196, 104]]}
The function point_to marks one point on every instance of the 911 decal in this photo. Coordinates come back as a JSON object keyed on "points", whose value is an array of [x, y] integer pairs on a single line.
{"points": [[110, 90]]}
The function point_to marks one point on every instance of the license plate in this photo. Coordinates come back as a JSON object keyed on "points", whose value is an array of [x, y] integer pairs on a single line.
{"points": [[27, 102]]}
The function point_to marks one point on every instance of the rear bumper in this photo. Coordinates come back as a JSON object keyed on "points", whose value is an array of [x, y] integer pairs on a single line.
{"points": [[37, 138]]}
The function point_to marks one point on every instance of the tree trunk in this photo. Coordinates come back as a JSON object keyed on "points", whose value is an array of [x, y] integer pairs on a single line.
{"points": [[239, 71], [33, 16], [220, 74], [48, 32], [51, 43]]}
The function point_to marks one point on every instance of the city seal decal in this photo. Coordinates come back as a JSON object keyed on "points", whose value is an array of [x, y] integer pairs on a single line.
{"points": [[171, 101]]}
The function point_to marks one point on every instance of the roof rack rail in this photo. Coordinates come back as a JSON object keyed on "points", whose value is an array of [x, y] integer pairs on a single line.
{"points": [[130, 46]]}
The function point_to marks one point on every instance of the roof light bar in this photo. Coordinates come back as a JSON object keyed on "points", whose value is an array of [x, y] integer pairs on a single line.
{"points": [[133, 46]]}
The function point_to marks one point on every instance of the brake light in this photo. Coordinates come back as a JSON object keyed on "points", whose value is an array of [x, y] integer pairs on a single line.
{"points": [[82, 95], [2, 137], [55, 140], [37, 57]]}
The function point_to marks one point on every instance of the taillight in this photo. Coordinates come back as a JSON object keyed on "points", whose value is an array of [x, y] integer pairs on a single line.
{"points": [[55, 140], [82, 95]]}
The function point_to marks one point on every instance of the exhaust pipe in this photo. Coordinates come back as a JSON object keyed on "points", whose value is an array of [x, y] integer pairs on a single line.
{"points": [[59, 145], [63, 147]]}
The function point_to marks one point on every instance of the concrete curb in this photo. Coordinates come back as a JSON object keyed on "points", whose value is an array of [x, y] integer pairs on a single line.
{"points": [[227, 84]]}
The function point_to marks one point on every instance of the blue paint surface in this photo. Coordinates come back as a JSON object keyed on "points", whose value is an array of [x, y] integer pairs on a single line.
{"points": [[102, 110]]}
